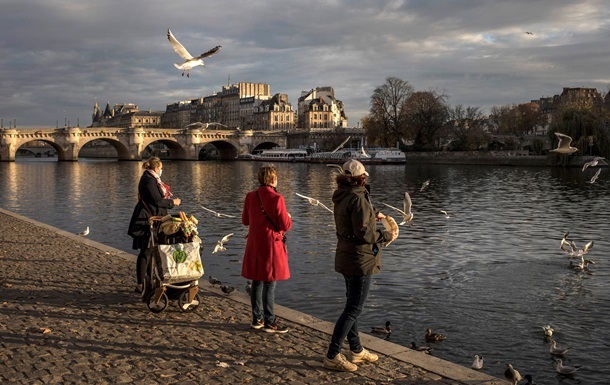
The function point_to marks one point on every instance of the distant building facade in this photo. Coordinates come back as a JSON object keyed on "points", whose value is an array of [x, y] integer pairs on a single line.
{"points": [[125, 116], [318, 109]]}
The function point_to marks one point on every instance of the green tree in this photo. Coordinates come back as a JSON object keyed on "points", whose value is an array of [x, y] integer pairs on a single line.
{"points": [[386, 122]]}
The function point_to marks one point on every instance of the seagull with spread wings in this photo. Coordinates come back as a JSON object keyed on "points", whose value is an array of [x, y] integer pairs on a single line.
{"points": [[217, 214], [314, 202], [563, 147], [189, 60], [407, 215]]}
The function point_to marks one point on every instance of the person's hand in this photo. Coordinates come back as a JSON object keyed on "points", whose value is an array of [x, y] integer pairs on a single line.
{"points": [[380, 216], [177, 201]]}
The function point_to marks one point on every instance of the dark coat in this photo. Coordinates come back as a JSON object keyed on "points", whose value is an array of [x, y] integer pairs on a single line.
{"points": [[149, 192], [358, 239], [266, 257]]}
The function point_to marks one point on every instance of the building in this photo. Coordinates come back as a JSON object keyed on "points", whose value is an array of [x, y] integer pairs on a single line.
{"points": [[273, 114], [232, 107], [125, 116], [318, 109]]}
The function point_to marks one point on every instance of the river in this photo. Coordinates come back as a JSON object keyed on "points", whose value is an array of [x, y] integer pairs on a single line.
{"points": [[489, 276]]}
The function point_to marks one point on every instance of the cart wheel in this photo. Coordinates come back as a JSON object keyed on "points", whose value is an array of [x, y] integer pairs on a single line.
{"points": [[185, 306], [157, 307]]}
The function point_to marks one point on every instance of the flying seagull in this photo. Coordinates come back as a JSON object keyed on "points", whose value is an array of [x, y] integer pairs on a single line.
{"points": [[217, 214], [189, 60], [528, 33], [84, 232], [220, 244], [563, 147], [424, 185], [592, 163], [407, 215], [594, 178], [315, 202], [341, 145]]}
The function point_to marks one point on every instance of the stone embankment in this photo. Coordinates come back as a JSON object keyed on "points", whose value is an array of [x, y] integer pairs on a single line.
{"points": [[496, 158], [68, 315]]}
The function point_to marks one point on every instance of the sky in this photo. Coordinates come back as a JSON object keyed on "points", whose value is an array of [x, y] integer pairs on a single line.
{"points": [[58, 57]]}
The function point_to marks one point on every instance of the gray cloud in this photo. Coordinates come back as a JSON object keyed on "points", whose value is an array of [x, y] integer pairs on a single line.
{"points": [[60, 56]]}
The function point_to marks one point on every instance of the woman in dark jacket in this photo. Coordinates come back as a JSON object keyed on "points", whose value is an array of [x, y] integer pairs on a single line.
{"points": [[154, 198], [357, 257]]}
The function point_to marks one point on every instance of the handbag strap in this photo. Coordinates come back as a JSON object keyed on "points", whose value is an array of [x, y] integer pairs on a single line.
{"points": [[145, 205], [265, 213]]}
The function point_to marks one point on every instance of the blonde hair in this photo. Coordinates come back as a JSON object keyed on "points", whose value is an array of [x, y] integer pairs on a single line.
{"points": [[266, 174], [151, 163]]}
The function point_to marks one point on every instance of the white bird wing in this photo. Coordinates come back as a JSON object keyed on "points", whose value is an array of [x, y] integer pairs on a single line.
{"points": [[564, 140], [341, 145], [588, 246], [217, 248], [337, 167], [311, 200], [407, 203], [179, 48], [210, 52], [207, 209], [324, 206], [395, 208], [226, 238], [225, 215], [596, 175]]}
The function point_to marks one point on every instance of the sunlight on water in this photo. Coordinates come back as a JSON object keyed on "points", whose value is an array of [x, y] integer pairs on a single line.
{"points": [[489, 277]]}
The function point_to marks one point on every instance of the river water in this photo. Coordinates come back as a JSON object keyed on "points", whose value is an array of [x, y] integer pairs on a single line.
{"points": [[489, 277]]}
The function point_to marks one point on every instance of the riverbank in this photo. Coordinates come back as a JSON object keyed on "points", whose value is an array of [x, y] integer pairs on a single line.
{"points": [[68, 315], [497, 158]]}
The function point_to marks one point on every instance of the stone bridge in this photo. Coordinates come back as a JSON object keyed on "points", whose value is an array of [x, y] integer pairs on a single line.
{"points": [[130, 143]]}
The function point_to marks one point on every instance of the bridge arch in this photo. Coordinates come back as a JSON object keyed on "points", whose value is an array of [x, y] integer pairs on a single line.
{"points": [[61, 154], [175, 150], [121, 150], [264, 146], [227, 150]]}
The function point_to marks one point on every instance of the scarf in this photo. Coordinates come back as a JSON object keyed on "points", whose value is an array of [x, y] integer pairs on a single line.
{"points": [[162, 186]]}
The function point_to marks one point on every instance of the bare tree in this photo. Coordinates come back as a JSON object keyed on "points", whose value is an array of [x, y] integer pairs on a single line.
{"points": [[386, 122], [426, 113], [466, 128]]}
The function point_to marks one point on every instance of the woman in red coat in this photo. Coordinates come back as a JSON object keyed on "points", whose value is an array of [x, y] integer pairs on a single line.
{"points": [[266, 258]]}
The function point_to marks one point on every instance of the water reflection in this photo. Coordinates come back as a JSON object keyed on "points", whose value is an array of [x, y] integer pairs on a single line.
{"points": [[489, 277]]}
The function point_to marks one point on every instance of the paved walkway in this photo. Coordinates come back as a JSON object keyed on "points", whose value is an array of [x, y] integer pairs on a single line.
{"points": [[68, 315]]}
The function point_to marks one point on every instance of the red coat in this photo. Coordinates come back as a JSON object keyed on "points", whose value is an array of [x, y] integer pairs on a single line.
{"points": [[266, 257]]}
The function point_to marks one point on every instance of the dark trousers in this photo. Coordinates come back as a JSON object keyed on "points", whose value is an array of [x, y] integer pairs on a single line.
{"points": [[262, 297], [357, 289], [142, 264]]}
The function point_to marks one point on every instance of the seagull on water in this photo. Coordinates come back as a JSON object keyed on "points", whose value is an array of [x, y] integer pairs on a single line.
{"points": [[554, 350], [563, 147], [512, 374], [407, 215], [565, 245], [84, 233], [548, 330], [220, 244], [594, 177], [315, 202], [189, 60], [217, 214], [477, 364], [445, 214], [564, 369], [592, 163]]}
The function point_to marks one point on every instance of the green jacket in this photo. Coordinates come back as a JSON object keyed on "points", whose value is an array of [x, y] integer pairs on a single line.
{"points": [[358, 239]]}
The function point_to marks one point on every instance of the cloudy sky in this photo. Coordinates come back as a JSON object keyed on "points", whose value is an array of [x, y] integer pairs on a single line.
{"points": [[57, 57]]}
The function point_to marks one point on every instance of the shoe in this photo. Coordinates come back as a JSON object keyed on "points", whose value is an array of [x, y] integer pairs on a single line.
{"points": [[258, 324], [339, 363], [363, 356], [138, 290], [274, 328]]}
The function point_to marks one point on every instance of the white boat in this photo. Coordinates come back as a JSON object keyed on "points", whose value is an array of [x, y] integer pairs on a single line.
{"points": [[282, 155], [389, 155], [366, 156]]}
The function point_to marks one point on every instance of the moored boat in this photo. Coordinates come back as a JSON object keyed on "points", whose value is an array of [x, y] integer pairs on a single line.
{"points": [[282, 155]]}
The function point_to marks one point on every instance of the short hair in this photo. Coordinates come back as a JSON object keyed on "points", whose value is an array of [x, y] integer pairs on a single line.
{"points": [[152, 163], [346, 180], [266, 174]]}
